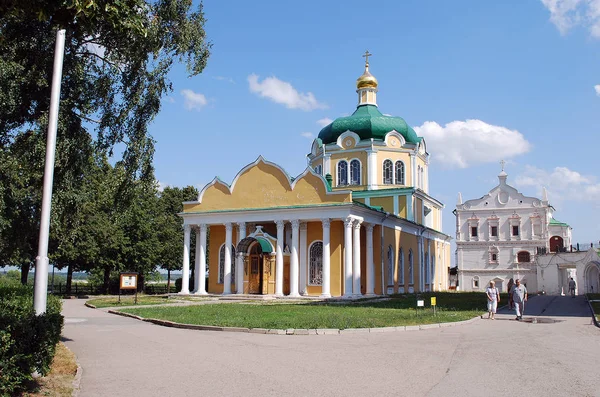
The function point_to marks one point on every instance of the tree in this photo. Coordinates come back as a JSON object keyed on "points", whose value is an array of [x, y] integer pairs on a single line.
{"points": [[118, 54], [170, 234]]}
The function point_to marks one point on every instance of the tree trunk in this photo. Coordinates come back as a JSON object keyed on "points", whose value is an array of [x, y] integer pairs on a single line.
{"points": [[69, 279], [106, 281], [141, 280], [168, 281], [25, 273]]}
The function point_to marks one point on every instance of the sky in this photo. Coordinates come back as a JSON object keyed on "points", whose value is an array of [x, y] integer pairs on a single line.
{"points": [[481, 81]]}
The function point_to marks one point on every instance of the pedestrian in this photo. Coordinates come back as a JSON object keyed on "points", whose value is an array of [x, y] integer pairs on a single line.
{"points": [[518, 295], [509, 286], [572, 286], [493, 297]]}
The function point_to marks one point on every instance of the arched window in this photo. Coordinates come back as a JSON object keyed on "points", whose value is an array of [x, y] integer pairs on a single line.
{"points": [[342, 173], [411, 271], [423, 178], [399, 173], [433, 268], [319, 169], [523, 257], [401, 271], [388, 172], [390, 258], [475, 282], [222, 264], [315, 260], [355, 172]]}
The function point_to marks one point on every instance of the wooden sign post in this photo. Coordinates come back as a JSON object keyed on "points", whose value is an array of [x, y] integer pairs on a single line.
{"points": [[128, 280]]}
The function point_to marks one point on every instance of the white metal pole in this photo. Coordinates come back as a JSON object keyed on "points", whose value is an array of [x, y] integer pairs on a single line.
{"points": [[41, 261]]}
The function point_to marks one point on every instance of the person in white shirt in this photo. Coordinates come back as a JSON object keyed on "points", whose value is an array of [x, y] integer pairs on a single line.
{"points": [[572, 286], [518, 295], [493, 297]]}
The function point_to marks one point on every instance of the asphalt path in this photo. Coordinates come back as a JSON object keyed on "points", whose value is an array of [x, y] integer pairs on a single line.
{"points": [[126, 357]]}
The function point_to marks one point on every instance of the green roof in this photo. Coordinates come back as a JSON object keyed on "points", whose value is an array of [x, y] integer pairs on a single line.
{"points": [[555, 222], [368, 122]]}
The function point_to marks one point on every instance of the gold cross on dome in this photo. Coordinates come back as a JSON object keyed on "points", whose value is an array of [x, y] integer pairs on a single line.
{"points": [[502, 162], [366, 56]]}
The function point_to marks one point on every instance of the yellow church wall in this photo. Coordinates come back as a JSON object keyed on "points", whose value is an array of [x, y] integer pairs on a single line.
{"points": [[335, 244], [360, 200], [394, 156], [419, 210], [386, 202], [264, 185], [217, 237], [314, 232], [377, 258], [407, 242], [402, 206]]}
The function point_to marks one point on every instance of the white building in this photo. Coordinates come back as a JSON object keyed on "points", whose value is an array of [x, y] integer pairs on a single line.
{"points": [[555, 269], [499, 235]]}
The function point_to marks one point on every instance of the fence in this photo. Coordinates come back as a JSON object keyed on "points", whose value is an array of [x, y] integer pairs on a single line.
{"points": [[91, 289]]}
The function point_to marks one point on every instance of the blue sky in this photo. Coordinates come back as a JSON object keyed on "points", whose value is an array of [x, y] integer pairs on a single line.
{"points": [[482, 81]]}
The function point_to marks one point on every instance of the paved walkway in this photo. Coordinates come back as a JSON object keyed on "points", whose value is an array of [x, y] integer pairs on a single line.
{"points": [[125, 357]]}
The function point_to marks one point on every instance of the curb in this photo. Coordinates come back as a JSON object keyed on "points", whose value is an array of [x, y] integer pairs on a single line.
{"points": [[592, 310], [294, 331], [77, 380], [90, 305]]}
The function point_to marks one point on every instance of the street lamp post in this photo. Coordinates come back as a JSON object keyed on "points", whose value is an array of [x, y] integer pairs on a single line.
{"points": [[41, 261]]}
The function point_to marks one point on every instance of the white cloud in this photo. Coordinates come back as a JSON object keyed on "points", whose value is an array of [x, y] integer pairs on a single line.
{"points": [[161, 185], [562, 184], [193, 100], [465, 143], [324, 121], [223, 78], [566, 14], [283, 92], [308, 135], [597, 88]]}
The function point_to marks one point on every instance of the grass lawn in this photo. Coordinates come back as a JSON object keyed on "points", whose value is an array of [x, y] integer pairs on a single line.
{"points": [[129, 301], [59, 382], [595, 305], [398, 311]]}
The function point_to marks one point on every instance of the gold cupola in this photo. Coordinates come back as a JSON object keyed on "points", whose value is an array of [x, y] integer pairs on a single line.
{"points": [[366, 85]]}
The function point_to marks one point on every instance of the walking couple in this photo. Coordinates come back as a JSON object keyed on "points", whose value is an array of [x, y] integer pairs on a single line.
{"points": [[517, 297]]}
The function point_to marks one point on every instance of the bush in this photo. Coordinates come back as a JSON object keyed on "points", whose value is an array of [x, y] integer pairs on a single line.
{"points": [[27, 341]]}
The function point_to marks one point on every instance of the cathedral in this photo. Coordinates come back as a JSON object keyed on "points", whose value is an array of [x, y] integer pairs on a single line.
{"points": [[359, 221]]}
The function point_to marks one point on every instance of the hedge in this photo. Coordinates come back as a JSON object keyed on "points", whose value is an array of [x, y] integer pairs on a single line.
{"points": [[27, 341]]}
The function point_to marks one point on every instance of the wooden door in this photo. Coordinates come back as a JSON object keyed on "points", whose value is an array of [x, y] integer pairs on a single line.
{"points": [[255, 276]]}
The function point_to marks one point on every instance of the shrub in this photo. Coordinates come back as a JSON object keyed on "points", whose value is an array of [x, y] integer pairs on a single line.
{"points": [[27, 341]]}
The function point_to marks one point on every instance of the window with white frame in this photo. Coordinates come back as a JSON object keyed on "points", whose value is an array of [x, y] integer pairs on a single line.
{"points": [[399, 172], [390, 259], [401, 271], [222, 264], [494, 252], [494, 227], [473, 223], [475, 282], [342, 173], [515, 227], [411, 270], [315, 260], [433, 268], [355, 172], [388, 172]]}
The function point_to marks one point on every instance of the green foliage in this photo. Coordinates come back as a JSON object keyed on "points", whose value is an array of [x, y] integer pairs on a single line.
{"points": [[27, 341]]}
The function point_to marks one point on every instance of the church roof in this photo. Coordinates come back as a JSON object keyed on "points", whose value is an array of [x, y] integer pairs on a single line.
{"points": [[368, 122], [554, 222]]}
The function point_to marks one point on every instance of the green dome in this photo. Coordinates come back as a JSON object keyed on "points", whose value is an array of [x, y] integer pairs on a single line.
{"points": [[368, 122]]}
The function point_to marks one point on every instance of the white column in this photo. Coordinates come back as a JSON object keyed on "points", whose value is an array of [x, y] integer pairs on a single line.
{"points": [[326, 277], [227, 264], [201, 271], [370, 263], [356, 259], [239, 270], [303, 252], [413, 169], [348, 257], [279, 260], [197, 261], [326, 164], [185, 276], [372, 169], [294, 259]]}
